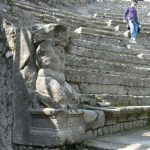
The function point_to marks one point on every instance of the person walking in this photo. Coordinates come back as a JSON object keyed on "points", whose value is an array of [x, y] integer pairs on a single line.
{"points": [[131, 17]]}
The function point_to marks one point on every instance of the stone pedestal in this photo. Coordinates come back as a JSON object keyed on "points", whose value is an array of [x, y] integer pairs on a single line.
{"points": [[56, 127]]}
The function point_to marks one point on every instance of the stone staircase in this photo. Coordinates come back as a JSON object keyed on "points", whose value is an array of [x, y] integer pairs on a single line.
{"points": [[105, 71], [102, 65]]}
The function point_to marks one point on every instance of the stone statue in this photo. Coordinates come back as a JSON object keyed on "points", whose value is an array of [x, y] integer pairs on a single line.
{"points": [[46, 102], [51, 88]]}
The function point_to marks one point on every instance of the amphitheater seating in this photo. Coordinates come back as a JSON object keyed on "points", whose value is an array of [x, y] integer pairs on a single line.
{"points": [[102, 65]]}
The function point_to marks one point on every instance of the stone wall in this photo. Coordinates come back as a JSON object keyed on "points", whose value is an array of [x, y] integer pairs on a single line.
{"points": [[6, 88]]}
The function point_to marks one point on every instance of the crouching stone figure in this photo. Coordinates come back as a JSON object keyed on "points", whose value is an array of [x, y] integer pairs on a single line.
{"points": [[52, 89], [55, 100]]}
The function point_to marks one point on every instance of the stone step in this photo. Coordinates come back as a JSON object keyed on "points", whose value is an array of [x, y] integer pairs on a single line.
{"points": [[122, 112], [99, 26], [106, 79], [107, 37], [84, 53], [54, 15], [130, 49], [117, 26], [111, 15], [115, 100], [121, 118], [115, 16], [89, 82], [39, 8], [144, 29], [139, 47], [111, 68], [128, 140], [117, 20], [99, 32], [107, 67], [48, 15], [64, 17], [121, 32], [102, 38]]}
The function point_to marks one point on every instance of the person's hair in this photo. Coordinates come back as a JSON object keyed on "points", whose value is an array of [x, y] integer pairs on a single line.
{"points": [[134, 1]]}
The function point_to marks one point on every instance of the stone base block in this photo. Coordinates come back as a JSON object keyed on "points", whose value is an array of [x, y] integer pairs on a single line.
{"points": [[57, 129]]}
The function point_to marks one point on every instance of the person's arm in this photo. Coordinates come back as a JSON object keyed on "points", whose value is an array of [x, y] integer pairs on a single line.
{"points": [[126, 13]]}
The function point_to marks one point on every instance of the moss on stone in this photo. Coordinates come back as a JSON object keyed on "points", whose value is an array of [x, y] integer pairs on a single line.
{"points": [[148, 122]]}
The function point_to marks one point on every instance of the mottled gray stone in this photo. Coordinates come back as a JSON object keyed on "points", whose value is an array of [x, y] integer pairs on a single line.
{"points": [[105, 130], [100, 131], [127, 66], [95, 133], [25, 45], [57, 129], [24, 70], [89, 134], [122, 140], [110, 129], [54, 120], [89, 115], [100, 120], [6, 88]]}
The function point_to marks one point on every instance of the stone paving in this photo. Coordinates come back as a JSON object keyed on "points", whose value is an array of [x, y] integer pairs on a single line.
{"points": [[127, 140]]}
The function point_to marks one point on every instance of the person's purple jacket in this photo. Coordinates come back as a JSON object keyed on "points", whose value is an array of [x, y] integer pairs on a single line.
{"points": [[131, 14]]}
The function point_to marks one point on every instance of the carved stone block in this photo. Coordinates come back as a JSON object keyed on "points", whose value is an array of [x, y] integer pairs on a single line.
{"points": [[53, 127]]}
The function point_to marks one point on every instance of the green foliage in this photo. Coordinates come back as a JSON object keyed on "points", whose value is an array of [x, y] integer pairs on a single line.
{"points": [[148, 123], [120, 105], [98, 97]]}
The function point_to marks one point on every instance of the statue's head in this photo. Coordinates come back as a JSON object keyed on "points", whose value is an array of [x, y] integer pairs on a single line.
{"points": [[51, 43]]}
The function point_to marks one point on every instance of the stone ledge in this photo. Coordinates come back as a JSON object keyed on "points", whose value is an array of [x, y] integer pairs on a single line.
{"points": [[97, 32], [107, 79], [120, 119], [123, 114], [116, 100], [107, 67], [54, 128], [55, 112], [106, 47], [130, 71], [84, 53]]}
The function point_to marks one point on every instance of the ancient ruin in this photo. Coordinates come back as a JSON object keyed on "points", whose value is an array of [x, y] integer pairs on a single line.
{"points": [[69, 73]]}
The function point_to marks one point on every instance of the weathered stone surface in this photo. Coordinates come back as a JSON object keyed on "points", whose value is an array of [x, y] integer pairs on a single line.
{"points": [[118, 100], [93, 119], [89, 115], [6, 90], [124, 140], [42, 81], [57, 129], [4, 145], [50, 56], [89, 134], [24, 70], [93, 67], [100, 120]]}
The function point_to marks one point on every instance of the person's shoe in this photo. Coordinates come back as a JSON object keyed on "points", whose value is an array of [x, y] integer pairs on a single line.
{"points": [[132, 41]]}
